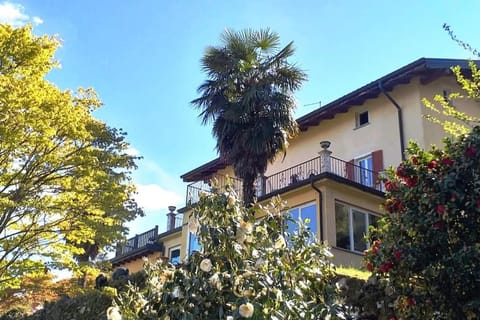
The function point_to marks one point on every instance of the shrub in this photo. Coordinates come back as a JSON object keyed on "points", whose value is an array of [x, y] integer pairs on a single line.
{"points": [[428, 243], [248, 268]]}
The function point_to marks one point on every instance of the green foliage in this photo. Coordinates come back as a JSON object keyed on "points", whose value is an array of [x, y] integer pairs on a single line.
{"points": [[248, 97], [64, 175], [452, 120], [91, 305], [248, 268], [428, 242]]}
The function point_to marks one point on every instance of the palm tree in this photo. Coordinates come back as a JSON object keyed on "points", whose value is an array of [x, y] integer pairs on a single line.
{"points": [[248, 96]]}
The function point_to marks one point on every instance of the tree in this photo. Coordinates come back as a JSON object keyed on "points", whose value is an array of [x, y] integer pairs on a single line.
{"points": [[248, 97], [248, 268], [453, 121], [64, 175]]}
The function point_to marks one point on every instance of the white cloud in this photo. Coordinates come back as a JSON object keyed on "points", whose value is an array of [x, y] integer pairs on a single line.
{"points": [[37, 20], [152, 197], [13, 13], [131, 151]]}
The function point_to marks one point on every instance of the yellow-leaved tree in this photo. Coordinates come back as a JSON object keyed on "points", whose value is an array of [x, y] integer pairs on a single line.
{"points": [[65, 187]]}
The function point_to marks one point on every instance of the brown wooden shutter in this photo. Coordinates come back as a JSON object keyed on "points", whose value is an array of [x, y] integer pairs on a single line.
{"points": [[350, 170], [377, 160]]}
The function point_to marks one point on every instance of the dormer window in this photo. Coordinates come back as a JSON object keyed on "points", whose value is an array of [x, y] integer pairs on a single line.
{"points": [[361, 119]]}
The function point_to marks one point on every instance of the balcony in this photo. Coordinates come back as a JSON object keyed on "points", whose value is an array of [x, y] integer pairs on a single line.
{"points": [[138, 242], [194, 189], [325, 165]]}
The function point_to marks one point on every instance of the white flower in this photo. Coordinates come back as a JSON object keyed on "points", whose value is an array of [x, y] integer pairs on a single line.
{"points": [[215, 281], [246, 226], [246, 310], [176, 293], [113, 314], [193, 226], [255, 253], [231, 200], [229, 318], [145, 259], [206, 265], [280, 243], [259, 263]]}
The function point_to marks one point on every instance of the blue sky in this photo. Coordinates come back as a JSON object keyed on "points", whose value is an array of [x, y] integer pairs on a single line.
{"points": [[142, 57]]}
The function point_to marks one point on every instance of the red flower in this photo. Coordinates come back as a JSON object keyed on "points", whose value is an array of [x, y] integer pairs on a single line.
{"points": [[411, 182], [415, 160], [400, 170], [437, 225], [391, 185], [369, 266], [432, 164], [385, 267], [398, 254], [392, 318], [447, 161], [471, 152], [440, 209], [411, 301]]}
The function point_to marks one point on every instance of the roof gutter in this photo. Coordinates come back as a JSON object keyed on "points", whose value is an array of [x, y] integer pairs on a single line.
{"points": [[320, 208], [399, 116]]}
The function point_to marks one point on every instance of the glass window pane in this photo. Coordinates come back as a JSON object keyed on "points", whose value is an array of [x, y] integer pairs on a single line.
{"points": [[359, 230], [292, 227], [175, 256], [342, 226], [310, 212], [193, 244]]}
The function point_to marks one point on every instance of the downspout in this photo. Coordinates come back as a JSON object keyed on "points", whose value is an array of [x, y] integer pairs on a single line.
{"points": [[320, 209], [400, 118]]}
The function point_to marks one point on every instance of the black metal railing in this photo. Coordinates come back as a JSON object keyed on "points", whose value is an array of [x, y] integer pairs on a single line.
{"points": [[178, 222], [194, 189], [293, 175], [313, 167], [137, 242]]}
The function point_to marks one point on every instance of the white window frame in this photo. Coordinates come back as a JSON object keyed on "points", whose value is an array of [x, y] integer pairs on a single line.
{"points": [[367, 215], [357, 119]]}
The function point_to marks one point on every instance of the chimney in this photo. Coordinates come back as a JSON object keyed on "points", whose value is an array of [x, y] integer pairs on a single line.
{"points": [[171, 218]]}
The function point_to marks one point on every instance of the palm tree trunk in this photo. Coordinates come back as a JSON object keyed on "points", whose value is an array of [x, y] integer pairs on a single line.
{"points": [[248, 190]]}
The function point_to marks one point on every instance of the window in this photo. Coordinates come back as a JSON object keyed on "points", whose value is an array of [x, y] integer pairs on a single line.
{"points": [[307, 211], [364, 172], [193, 244], [361, 119], [352, 226], [174, 255]]}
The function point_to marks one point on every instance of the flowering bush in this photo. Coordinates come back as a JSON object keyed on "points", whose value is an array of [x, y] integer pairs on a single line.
{"points": [[428, 243], [248, 269]]}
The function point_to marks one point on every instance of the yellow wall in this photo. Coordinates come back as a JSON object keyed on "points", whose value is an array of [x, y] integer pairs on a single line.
{"points": [[137, 265], [169, 241]]}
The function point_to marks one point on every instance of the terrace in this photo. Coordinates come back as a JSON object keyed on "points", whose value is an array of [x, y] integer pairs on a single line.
{"points": [[147, 241], [322, 166]]}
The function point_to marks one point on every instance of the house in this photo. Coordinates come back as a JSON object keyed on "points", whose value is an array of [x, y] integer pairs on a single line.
{"points": [[329, 174]]}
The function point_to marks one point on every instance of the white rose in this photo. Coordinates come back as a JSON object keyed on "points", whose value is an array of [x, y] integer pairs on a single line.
{"points": [[246, 310], [280, 243], [206, 265], [176, 293], [231, 200], [215, 281], [193, 226], [113, 314]]}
